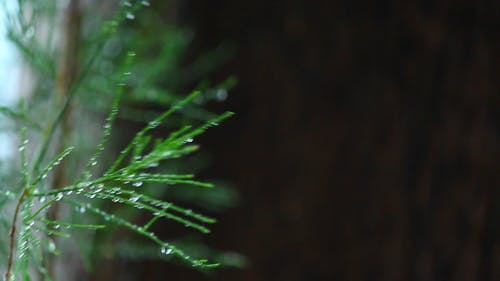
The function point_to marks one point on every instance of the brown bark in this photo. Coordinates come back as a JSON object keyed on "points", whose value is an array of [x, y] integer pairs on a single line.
{"points": [[67, 72], [366, 138]]}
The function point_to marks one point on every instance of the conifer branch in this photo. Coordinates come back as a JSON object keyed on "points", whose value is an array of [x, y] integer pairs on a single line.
{"points": [[36, 224]]}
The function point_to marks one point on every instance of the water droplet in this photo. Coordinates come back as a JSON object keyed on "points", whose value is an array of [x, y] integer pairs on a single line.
{"points": [[221, 95], [167, 153], [93, 163], [166, 251], [135, 198], [145, 3], [129, 16], [51, 247], [127, 4], [152, 165], [99, 188], [137, 183], [59, 196], [189, 140], [154, 124]]}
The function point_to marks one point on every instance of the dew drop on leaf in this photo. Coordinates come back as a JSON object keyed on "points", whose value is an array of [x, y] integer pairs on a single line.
{"points": [[29, 225], [165, 251], [129, 16], [221, 95], [154, 124], [51, 247], [152, 165]]}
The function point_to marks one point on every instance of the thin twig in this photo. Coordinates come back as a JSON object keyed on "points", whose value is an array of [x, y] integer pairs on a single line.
{"points": [[12, 236]]}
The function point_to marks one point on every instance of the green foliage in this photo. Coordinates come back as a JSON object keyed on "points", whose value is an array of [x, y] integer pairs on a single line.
{"points": [[98, 193]]}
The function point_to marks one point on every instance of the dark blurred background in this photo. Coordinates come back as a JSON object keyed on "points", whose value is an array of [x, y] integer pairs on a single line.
{"points": [[366, 140]]}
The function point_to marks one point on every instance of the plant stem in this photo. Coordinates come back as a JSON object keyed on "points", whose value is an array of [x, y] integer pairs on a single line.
{"points": [[12, 235]]}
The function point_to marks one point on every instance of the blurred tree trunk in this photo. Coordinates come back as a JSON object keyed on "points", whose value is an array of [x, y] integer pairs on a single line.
{"points": [[366, 144], [66, 76]]}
